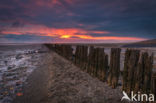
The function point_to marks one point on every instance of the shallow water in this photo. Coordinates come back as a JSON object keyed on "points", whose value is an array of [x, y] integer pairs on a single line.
{"points": [[15, 66]]}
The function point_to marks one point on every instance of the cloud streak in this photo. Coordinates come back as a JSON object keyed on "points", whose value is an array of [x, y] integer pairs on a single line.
{"points": [[68, 34]]}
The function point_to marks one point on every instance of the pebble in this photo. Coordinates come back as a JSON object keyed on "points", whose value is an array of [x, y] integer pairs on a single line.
{"points": [[19, 94], [19, 56], [9, 68]]}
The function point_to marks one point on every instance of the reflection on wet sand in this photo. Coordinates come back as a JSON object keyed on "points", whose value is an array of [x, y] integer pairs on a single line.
{"points": [[15, 66]]}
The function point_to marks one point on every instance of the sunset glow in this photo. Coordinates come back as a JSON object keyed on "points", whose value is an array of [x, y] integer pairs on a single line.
{"points": [[65, 36], [78, 20], [70, 33]]}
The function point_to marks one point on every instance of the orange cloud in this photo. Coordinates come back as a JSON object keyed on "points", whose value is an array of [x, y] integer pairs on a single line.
{"points": [[87, 37], [45, 31], [67, 33]]}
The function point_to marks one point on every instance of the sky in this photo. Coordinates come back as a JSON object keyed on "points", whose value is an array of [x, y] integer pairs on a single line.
{"points": [[77, 21]]}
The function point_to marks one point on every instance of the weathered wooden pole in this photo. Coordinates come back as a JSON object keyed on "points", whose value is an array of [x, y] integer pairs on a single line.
{"points": [[100, 62], [154, 83], [90, 60], [77, 55], [114, 67], [137, 72], [81, 57], [84, 57], [95, 62], [102, 65], [147, 65], [130, 66]]}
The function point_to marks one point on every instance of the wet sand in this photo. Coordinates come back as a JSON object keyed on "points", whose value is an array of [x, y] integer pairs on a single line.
{"points": [[59, 81], [36, 87], [17, 62]]}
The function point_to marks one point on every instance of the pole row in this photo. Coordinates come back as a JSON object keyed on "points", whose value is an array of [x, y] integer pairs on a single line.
{"points": [[136, 75]]}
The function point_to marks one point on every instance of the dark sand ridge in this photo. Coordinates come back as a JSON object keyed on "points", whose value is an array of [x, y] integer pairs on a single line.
{"points": [[59, 81]]}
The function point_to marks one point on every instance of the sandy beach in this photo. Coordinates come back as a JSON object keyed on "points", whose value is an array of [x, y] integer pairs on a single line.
{"points": [[59, 81], [49, 78], [34, 74]]}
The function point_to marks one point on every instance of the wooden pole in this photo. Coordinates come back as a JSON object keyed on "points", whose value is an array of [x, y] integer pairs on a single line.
{"points": [[114, 67]]}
